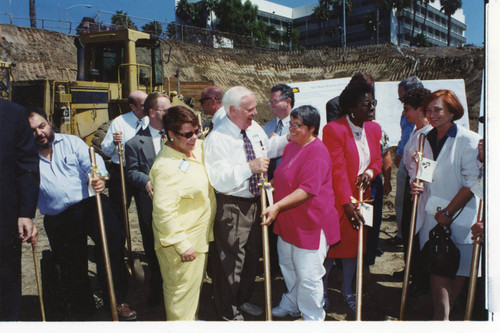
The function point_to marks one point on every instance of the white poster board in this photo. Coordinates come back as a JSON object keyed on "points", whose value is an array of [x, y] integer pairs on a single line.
{"points": [[389, 108]]}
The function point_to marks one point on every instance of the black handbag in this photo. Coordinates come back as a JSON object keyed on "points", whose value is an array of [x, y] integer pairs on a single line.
{"points": [[440, 256]]}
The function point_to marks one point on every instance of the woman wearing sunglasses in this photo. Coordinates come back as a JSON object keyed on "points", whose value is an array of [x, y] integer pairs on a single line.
{"points": [[354, 145], [183, 213]]}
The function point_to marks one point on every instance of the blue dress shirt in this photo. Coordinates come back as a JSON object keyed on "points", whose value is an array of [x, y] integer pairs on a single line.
{"points": [[406, 130], [64, 180]]}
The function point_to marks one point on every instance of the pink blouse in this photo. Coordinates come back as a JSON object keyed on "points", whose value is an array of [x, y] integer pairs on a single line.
{"points": [[308, 168]]}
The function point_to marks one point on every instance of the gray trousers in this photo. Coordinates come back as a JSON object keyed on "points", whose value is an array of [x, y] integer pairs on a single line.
{"points": [[237, 243]]}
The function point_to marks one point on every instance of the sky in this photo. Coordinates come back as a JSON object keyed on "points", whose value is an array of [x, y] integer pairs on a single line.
{"points": [[163, 10]]}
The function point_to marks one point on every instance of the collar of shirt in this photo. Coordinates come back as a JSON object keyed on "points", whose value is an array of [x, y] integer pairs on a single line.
{"points": [[437, 146], [57, 138], [356, 130], [285, 121], [154, 132]]}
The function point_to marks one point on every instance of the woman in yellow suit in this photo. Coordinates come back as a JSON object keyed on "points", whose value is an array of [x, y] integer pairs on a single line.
{"points": [[183, 213]]}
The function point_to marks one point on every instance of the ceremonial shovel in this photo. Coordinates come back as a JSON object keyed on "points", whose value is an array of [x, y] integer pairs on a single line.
{"points": [[105, 252], [38, 283], [474, 267], [134, 266], [409, 252]]}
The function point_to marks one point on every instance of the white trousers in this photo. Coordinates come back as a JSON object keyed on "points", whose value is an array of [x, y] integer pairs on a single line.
{"points": [[303, 272]]}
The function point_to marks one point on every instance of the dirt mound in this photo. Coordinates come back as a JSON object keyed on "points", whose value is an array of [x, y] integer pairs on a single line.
{"points": [[41, 54]]}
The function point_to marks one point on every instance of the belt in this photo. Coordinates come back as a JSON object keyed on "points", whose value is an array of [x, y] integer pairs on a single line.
{"points": [[238, 199]]}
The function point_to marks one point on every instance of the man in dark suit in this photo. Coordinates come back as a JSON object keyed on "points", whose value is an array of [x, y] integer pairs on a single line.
{"points": [[140, 153], [19, 184]]}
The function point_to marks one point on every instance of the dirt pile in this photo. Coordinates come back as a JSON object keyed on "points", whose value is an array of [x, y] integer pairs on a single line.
{"points": [[41, 54]]}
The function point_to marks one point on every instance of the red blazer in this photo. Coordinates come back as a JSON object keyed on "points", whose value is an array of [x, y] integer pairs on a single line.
{"points": [[338, 138]]}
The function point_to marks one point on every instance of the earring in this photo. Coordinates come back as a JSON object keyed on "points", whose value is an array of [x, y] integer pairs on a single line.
{"points": [[352, 115]]}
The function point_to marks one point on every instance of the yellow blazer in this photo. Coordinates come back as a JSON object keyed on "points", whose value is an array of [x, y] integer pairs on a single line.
{"points": [[183, 201]]}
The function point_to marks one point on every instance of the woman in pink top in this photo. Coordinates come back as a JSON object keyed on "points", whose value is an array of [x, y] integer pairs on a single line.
{"points": [[306, 219]]}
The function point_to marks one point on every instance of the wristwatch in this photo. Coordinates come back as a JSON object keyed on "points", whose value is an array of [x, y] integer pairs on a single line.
{"points": [[445, 212]]}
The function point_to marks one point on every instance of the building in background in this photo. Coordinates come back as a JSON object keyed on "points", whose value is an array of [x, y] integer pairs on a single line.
{"points": [[394, 26]]}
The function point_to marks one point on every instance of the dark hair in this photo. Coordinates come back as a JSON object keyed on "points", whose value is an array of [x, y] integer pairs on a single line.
{"points": [[352, 94], [150, 102], [30, 110], [176, 117], [450, 101], [410, 83], [286, 92], [415, 97], [309, 116], [362, 77]]}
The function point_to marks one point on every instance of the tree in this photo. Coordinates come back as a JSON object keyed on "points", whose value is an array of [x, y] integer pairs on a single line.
{"points": [[370, 22], [399, 5], [426, 11], [210, 6], [413, 21], [153, 28], [421, 40], [122, 19], [32, 14], [185, 11], [449, 7]]}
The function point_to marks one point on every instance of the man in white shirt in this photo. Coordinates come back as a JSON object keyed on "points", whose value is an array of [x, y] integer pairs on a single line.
{"points": [[211, 104], [122, 129], [281, 101], [236, 152], [140, 153]]}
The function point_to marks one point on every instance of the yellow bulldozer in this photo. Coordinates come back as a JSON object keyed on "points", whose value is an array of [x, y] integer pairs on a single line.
{"points": [[111, 64]]}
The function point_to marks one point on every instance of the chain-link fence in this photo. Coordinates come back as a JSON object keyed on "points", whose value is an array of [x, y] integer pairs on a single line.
{"points": [[104, 21]]}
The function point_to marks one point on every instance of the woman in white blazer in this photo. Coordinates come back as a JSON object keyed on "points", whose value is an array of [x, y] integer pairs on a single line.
{"points": [[448, 200]]}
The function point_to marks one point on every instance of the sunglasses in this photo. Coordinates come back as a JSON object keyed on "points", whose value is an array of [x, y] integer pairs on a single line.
{"points": [[189, 135], [367, 104]]}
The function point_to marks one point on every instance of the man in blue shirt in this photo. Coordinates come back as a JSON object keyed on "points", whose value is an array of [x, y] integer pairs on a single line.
{"points": [[69, 206]]}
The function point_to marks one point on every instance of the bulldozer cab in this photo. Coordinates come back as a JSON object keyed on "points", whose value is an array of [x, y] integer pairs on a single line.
{"points": [[129, 58]]}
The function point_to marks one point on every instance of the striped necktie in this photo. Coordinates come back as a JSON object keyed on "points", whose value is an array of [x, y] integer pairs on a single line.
{"points": [[279, 127], [254, 179]]}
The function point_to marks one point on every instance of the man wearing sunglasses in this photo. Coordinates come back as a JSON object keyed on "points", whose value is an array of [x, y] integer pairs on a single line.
{"points": [[211, 104], [140, 154], [236, 153]]}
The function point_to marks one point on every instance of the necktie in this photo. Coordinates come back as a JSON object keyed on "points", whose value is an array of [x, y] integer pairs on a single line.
{"points": [[139, 125], [279, 127], [254, 179], [163, 136]]}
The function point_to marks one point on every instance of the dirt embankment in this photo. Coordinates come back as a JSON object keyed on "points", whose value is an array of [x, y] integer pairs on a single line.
{"points": [[41, 54]]}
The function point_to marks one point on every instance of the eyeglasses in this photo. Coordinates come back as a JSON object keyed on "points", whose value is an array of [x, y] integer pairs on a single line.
{"points": [[189, 135], [276, 101], [367, 104], [296, 125], [205, 99]]}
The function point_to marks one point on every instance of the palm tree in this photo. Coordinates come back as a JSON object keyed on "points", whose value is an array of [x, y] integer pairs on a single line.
{"points": [[32, 14], [426, 11], [210, 6], [413, 21], [449, 7]]}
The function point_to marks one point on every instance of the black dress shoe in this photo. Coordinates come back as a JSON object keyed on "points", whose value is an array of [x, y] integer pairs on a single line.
{"points": [[379, 252]]}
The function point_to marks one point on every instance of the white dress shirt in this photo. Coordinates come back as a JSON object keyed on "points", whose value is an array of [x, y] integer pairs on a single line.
{"points": [[126, 123], [410, 148], [218, 116], [156, 137], [363, 147], [225, 158], [271, 125]]}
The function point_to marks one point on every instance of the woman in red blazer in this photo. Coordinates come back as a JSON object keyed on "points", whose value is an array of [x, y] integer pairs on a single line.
{"points": [[354, 145]]}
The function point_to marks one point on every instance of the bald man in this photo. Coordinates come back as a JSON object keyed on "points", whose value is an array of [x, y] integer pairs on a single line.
{"points": [[122, 129], [211, 104]]}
